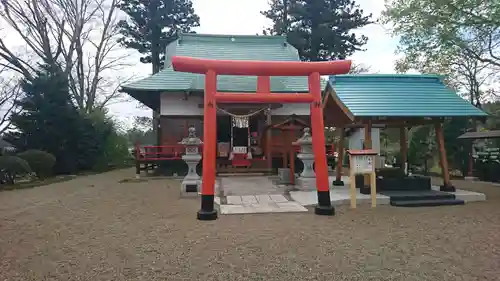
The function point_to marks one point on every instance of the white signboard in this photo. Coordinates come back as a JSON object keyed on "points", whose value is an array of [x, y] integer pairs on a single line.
{"points": [[362, 164]]}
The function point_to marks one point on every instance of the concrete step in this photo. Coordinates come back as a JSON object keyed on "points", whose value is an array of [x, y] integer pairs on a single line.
{"points": [[427, 203], [417, 195]]}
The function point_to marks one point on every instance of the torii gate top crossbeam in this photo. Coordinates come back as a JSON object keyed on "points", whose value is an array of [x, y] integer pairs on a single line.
{"points": [[259, 68]]}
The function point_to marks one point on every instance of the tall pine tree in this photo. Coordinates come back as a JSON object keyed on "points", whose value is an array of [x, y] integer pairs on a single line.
{"points": [[153, 24], [50, 122], [319, 29]]}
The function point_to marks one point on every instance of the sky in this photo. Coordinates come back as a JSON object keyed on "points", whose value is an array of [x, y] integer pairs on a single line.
{"points": [[242, 17]]}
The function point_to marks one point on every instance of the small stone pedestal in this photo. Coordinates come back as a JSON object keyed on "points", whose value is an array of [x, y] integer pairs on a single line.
{"points": [[307, 179], [190, 185]]}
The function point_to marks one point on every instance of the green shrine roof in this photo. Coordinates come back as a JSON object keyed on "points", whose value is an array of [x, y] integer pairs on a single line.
{"points": [[228, 47], [368, 95]]}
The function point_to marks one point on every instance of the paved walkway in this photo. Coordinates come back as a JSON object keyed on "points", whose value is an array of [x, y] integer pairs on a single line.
{"points": [[252, 195], [258, 194], [254, 204]]}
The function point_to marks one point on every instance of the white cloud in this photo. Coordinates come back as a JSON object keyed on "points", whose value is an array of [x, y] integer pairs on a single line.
{"points": [[243, 17]]}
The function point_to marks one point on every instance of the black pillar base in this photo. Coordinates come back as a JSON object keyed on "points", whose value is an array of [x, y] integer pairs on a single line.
{"points": [[338, 183], [447, 188], [365, 189], [324, 207], [207, 211], [206, 215]]}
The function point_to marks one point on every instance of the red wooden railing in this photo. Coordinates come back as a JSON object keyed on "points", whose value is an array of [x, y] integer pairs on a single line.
{"points": [[280, 148], [175, 152], [162, 152]]}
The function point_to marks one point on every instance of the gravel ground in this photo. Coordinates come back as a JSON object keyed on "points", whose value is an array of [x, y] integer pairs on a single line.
{"points": [[95, 228]]}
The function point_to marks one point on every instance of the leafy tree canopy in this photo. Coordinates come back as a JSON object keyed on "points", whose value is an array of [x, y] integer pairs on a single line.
{"points": [[319, 29], [153, 24], [431, 30]]}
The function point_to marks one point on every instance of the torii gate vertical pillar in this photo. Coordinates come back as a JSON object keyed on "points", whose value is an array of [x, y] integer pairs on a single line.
{"points": [[324, 206], [207, 211], [212, 68]]}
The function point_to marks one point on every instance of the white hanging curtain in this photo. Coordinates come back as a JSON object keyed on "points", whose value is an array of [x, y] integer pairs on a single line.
{"points": [[240, 122]]}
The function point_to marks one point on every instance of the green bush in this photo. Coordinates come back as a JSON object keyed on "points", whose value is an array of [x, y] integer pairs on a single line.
{"points": [[11, 167], [41, 162]]}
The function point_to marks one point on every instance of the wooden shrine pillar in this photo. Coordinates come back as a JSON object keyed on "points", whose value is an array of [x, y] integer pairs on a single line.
{"points": [[367, 144], [447, 186], [292, 155], [340, 159], [403, 146], [284, 148], [269, 154]]}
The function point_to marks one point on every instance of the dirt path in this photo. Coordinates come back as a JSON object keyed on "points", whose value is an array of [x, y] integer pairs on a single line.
{"points": [[95, 228]]}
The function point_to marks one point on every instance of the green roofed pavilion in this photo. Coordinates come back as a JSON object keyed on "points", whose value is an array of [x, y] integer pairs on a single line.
{"points": [[398, 96]]}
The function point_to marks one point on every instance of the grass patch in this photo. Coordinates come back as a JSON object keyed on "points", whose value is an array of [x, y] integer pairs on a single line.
{"points": [[36, 183]]}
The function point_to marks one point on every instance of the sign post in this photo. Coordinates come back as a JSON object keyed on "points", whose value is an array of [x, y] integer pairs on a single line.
{"points": [[362, 162]]}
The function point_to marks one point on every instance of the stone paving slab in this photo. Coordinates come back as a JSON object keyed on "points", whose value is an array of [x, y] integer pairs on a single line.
{"points": [[246, 185], [249, 200], [340, 195], [256, 204], [262, 208]]}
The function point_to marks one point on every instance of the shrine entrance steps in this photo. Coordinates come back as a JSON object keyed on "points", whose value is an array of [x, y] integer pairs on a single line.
{"points": [[244, 194], [421, 198]]}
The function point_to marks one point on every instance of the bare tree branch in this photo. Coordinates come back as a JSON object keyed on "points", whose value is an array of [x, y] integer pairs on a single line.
{"points": [[78, 36], [10, 90]]}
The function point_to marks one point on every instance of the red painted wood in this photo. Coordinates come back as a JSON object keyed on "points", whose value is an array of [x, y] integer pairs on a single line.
{"points": [[259, 68]]}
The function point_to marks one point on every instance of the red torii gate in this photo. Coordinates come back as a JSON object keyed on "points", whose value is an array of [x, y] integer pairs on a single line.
{"points": [[263, 70]]}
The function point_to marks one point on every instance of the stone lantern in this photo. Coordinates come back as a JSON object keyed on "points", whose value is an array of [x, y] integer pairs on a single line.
{"points": [[307, 179], [191, 182]]}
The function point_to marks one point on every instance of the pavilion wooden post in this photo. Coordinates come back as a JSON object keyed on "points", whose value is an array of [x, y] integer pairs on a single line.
{"points": [[403, 146], [367, 145], [447, 186], [340, 159]]}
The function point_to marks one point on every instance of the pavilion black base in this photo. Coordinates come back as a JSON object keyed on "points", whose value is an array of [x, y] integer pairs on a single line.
{"points": [[428, 203], [338, 183], [447, 188]]}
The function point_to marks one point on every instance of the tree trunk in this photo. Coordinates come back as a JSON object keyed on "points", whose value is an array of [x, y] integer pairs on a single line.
{"points": [[285, 17]]}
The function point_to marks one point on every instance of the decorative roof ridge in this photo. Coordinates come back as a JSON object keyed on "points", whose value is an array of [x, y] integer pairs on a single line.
{"points": [[386, 77], [232, 38]]}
